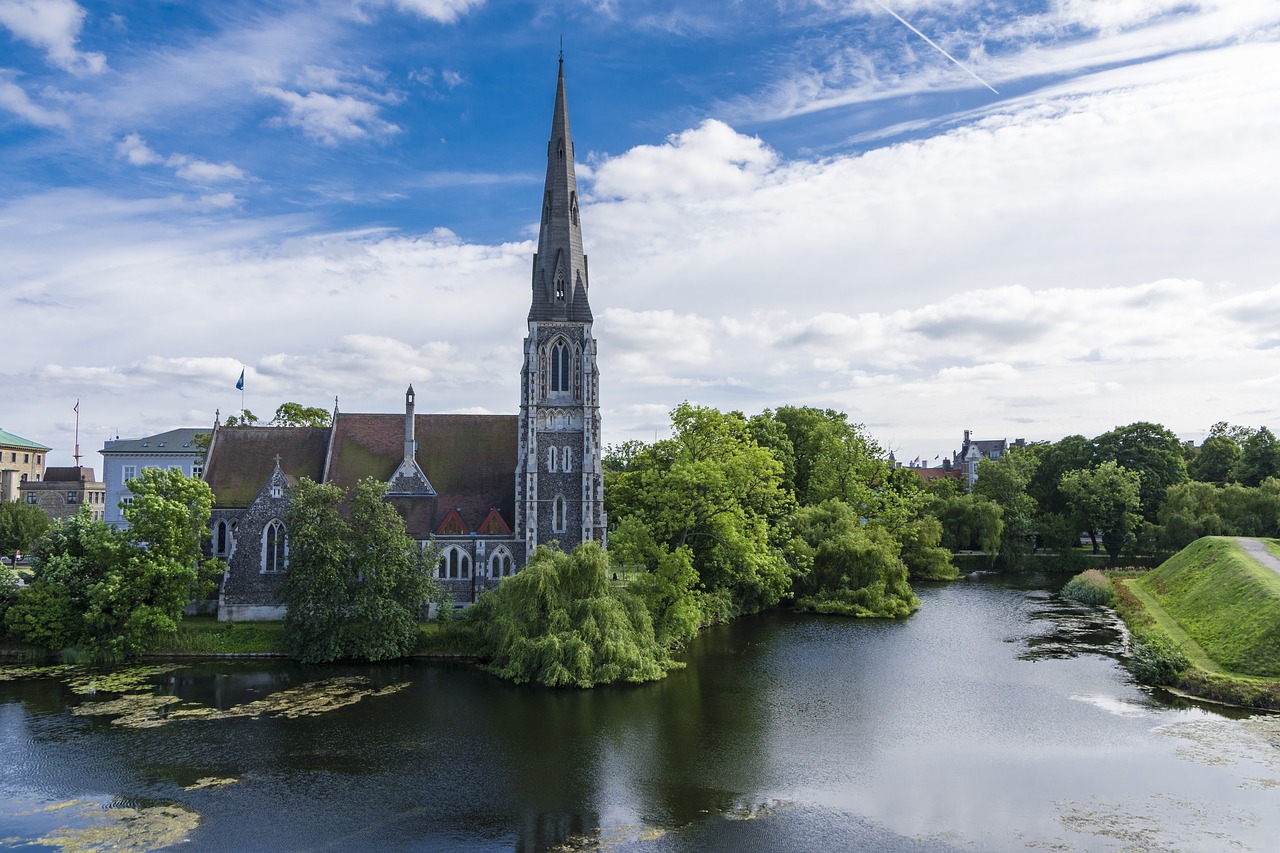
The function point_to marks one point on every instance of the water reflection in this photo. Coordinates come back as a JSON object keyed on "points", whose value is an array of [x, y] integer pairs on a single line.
{"points": [[997, 718]]}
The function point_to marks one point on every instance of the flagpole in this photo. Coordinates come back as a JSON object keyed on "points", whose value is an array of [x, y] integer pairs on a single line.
{"points": [[76, 409]]}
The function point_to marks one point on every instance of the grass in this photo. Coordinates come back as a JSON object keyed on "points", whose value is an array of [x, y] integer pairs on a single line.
{"points": [[1213, 579], [206, 635], [1224, 601]]}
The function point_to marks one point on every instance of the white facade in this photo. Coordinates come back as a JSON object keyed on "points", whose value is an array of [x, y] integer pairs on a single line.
{"points": [[123, 459]]}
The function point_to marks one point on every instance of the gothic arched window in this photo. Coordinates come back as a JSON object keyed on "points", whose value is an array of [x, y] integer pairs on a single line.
{"points": [[275, 547], [455, 563], [558, 515], [551, 458], [220, 540], [566, 459], [500, 564], [560, 379], [560, 287]]}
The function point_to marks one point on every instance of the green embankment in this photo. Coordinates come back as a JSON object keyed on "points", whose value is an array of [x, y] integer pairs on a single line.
{"points": [[1224, 601]]}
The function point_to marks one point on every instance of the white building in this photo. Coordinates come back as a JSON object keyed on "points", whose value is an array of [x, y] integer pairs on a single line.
{"points": [[124, 459]]}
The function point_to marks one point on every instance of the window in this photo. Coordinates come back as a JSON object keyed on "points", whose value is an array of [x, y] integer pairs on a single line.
{"points": [[276, 490], [566, 459], [551, 458], [37, 458], [454, 563], [127, 500], [560, 287], [197, 469], [560, 381], [71, 497], [220, 538], [26, 458], [129, 472], [500, 564], [275, 547], [31, 497], [558, 515]]}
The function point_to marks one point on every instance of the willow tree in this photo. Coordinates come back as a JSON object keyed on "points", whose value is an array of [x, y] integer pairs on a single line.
{"points": [[844, 566], [559, 622]]}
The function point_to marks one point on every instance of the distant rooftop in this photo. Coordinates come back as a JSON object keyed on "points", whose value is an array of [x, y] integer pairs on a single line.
{"points": [[180, 441], [8, 439]]}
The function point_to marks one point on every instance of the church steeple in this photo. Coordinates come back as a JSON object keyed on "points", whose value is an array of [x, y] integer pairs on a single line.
{"points": [[560, 267]]}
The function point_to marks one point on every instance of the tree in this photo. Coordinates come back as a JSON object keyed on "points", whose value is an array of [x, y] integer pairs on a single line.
{"points": [[1004, 482], [356, 584], [1191, 510], [1073, 453], [968, 521], [845, 567], [1153, 452], [114, 593], [1107, 499], [297, 415], [710, 488], [1259, 459], [21, 526], [245, 418], [1214, 461], [558, 622], [833, 458]]}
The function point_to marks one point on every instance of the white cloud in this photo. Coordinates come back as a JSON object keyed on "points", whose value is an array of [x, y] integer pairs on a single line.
{"points": [[135, 149], [331, 119], [53, 25], [15, 99], [444, 11]]}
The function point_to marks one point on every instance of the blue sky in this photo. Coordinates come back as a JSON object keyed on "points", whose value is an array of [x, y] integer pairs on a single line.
{"points": [[790, 202]]}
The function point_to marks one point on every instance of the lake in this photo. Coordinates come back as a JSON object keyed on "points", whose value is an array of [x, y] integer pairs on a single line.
{"points": [[997, 718]]}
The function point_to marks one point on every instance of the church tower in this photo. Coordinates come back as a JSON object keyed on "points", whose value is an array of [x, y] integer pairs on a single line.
{"points": [[559, 479]]}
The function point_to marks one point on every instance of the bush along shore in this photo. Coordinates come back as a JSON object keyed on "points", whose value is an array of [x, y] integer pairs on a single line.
{"points": [[1206, 623]]}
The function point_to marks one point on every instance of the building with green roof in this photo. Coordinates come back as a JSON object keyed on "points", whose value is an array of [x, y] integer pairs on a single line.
{"points": [[21, 459]]}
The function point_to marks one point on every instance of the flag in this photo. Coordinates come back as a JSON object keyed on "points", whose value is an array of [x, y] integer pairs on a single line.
{"points": [[240, 381], [76, 407]]}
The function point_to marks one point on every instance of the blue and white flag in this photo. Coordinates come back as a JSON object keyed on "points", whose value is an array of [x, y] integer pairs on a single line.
{"points": [[240, 381]]}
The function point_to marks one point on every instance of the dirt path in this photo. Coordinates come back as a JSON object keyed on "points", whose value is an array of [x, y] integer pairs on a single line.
{"points": [[1259, 552]]}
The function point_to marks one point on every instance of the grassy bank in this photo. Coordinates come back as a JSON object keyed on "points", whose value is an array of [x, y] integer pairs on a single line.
{"points": [[1225, 601], [1222, 609]]}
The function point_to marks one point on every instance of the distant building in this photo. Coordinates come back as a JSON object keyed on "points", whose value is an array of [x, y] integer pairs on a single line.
{"points": [[20, 460], [124, 459], [973, 451], [63, 491]]}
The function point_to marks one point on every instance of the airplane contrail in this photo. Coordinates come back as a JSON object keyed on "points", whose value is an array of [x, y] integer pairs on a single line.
{"points": [[934, 45]]}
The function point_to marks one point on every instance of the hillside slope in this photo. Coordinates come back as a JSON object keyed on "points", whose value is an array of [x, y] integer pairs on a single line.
{"points": [[1225, 601]]}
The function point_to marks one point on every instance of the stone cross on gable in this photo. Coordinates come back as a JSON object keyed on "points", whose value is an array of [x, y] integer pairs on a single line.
{"points": [[277, 460]]}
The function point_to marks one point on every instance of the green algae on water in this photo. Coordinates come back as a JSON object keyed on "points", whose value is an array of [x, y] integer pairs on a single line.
{"points": [[122, 830]]}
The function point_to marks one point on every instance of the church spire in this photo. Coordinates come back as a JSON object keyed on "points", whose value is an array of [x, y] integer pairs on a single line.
{"points": [[560, 267]]}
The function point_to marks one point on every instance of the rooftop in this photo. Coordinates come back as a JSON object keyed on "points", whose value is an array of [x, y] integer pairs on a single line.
{"points": [[8, 439]]}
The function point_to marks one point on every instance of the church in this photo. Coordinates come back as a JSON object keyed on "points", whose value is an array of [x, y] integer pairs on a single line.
{"points": [[489, 489]]}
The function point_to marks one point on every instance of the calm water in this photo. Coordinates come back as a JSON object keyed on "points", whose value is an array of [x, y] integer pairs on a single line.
{"points": [[997, 718]]}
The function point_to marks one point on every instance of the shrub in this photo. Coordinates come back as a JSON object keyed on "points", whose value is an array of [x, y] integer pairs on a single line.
{"points": [[1089, 587], [1156, 659]]}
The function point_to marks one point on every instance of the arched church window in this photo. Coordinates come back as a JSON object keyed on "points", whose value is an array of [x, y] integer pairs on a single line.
{"points": [[220, 539], [573, 207], [275, 547], [558, 515], [551, 458], [566, 459], [560, 379], [560, 287], [500, 563]]}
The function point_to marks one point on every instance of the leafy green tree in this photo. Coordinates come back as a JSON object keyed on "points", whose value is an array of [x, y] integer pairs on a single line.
{"points": [[245, 418], [1215, 460], [21, 526], [922, 551], [833, 458], [114, 593], [297, 415], [1191, 510], [1259, 459], [1004, 482], [710, 488], [969, 521], [844, 566], [356, 584], [771, 433], [1107, 499], [669, 589], [558, 622], [1153, 452], [1073, 453]]}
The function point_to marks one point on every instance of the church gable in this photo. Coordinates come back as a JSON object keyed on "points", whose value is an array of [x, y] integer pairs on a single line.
{"points": [[452, 525], [241, 459]]}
